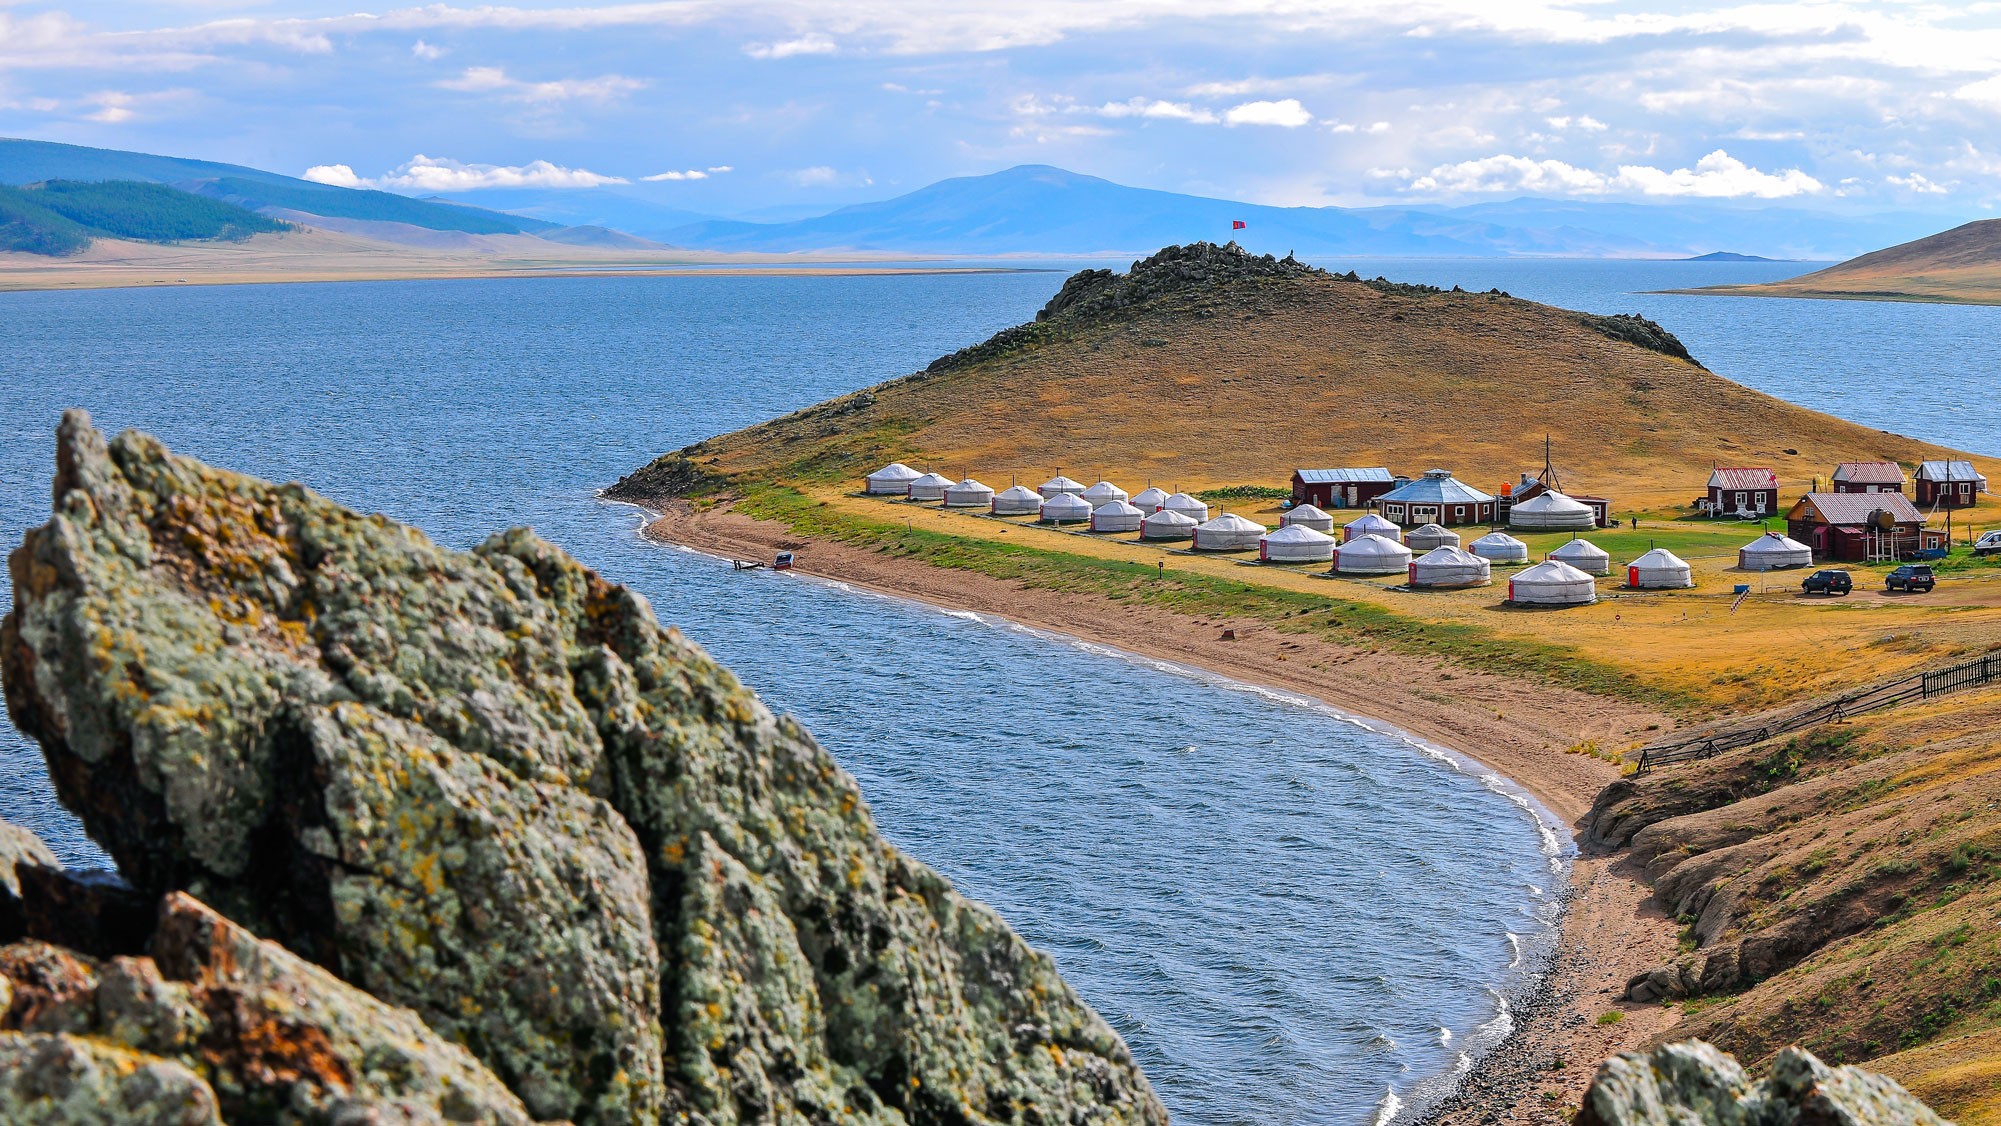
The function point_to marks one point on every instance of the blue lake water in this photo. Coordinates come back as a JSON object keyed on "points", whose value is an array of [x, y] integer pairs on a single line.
{"points": [[1289, 914]]}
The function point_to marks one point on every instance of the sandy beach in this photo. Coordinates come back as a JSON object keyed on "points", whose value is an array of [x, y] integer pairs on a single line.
{"points": [[1526, 732]]}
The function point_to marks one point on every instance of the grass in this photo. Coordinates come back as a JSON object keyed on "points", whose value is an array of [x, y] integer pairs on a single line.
{"points": [[1346, 620]]}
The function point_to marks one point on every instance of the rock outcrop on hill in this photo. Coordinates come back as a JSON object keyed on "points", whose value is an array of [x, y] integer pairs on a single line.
{"points": [[1693, 1084], [485, 788]]}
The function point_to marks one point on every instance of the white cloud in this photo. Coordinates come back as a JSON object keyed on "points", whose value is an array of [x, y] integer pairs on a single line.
{"points": [[426, 51], [1351, 127], [497, 82], [1286, 113], [785, 49], [1141, 107], [688, 174], [1718, 175], [823, 176], [113, 107], [1916, 182], [435, 174], [1584, 122]]}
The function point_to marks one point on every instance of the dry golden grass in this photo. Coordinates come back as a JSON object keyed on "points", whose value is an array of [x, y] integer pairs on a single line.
{"points": [[1959, 266]]}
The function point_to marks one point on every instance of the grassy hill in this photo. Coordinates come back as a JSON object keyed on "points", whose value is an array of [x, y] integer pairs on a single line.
{"points": [[1207, 368], [61, 217], [1961, 266]]}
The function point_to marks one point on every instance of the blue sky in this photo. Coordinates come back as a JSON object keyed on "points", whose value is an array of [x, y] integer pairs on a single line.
{"points": [[729, 105]]}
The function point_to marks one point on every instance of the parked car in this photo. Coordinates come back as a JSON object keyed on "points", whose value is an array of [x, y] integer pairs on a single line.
{"points": [[1827, 582], [1989, 544], [1911, 577]]}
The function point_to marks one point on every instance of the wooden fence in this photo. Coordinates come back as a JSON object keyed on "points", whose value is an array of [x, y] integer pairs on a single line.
{"points": [[1919, 686]]}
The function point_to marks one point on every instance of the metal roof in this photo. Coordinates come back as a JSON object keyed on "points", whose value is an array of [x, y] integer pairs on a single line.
{"points": [[1869, 473], [1949, 471], [1377, 475], [1856, 508], [1437, 487], [1743, 478]]}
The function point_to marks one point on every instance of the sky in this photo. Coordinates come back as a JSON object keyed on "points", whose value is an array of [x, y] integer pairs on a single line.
{"points": [[732, 106]]}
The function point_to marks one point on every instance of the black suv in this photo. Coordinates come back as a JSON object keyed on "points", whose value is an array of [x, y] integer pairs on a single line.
{"points": [[1911, 577], [1827, 582]]}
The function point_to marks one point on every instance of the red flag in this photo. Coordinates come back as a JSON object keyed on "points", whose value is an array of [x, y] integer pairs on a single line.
{"points": [[1237, 224]]}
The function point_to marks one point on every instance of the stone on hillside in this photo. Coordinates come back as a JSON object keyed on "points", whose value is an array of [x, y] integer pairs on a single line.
{"points": [[263, 1034], [489, 787], [1694, 1084]]}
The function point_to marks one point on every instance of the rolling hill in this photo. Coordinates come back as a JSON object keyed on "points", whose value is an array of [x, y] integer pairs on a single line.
{"points": [[1959, 266], [63, 217]]}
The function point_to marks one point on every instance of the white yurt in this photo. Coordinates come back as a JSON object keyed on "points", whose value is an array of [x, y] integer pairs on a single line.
{"points": [[1370, 524], [1774, 552], [969, 494], [931, 487], [1060, 484], [1167, 525], [1148, 500], [1307, 516], [1371, 554], [1445, 567], [1659, 569], [1296, 543], [1552, 582], [1066, 508], [1117, 516], [1017, 500], [1102, 494], [1585, 556], [1500, 547], [1187, 506], [892, 480], [1228, 532], [1551, 511], [1430, 537]]}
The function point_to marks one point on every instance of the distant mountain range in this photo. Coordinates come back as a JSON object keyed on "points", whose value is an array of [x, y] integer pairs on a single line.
{"points": [[1024, 211]]}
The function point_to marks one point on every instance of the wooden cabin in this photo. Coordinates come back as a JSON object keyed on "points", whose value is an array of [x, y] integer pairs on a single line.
{"points": [[1868, 477], [1340, 488], [1949, 484], [1751, 492], [1436, 498], [1861, 527]]}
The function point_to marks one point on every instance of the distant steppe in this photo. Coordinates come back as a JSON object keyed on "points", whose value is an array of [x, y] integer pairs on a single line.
{"points": [[1961, 266], [313, 254]]}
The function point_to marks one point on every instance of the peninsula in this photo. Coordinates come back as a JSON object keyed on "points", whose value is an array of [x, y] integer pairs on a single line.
{"points": [[1961, 266], [1208, 371]]}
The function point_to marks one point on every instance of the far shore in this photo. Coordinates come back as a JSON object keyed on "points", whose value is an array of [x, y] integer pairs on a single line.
{"points": [[1521, 730], [1807, 293]]}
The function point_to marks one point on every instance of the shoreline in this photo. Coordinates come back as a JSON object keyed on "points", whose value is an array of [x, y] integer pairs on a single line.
{"points": [[1603, 933], [85, 278], [1829, 295]]}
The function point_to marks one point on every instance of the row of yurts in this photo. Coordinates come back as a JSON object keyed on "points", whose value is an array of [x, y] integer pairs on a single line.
{"points": [[1369, 545]]}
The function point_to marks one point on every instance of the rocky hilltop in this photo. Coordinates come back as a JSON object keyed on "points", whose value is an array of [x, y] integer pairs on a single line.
{"points": [[416, 835]]}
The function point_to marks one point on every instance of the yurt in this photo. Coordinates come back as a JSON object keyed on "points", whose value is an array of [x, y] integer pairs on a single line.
{"points": [[1370, 524], [1774, 552], [1060, 484], [1552, 582], [1102, 494], [1500, 547], [1551, 511], [1430, 537], [1585, 556], [892, 480], [1117, 516], [1307, 516], [1148, 500], [1228, 532], [1659, 569], [969, 494], [1296, 543], [1017, 500], [1443, 568], [1167, 524], [1066, 508], [1371, 554], [1187, 506], [929, 487]]}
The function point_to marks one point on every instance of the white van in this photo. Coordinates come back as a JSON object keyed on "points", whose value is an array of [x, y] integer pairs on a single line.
{"points": [[1989, 544]]}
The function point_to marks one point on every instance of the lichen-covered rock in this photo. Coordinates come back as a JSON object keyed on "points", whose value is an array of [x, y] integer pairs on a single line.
{"points": [[1694, 1084], [488, 786], [266, 1035], [56, 1080]]}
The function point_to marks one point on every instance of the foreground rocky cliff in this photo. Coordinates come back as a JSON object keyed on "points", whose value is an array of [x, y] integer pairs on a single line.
{"points": [[487, 795]]}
